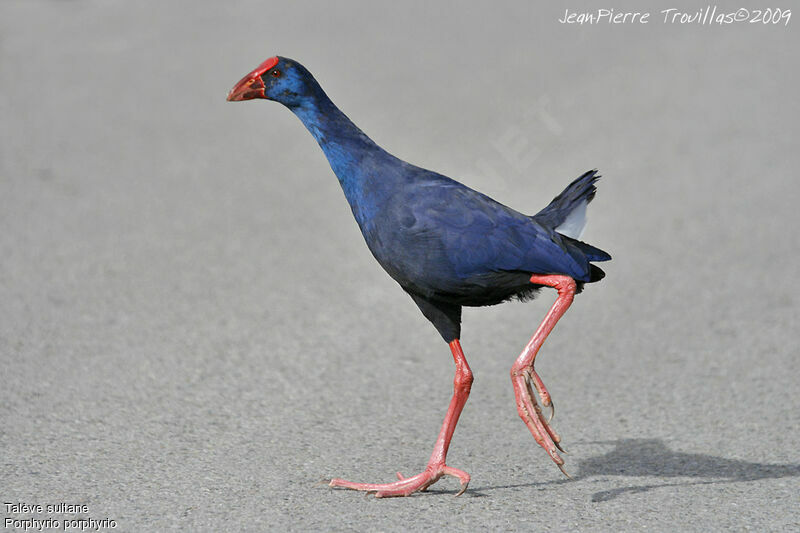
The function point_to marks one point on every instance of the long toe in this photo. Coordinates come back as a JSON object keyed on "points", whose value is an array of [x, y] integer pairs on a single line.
{"points": [[531, 414], [406, 486]]}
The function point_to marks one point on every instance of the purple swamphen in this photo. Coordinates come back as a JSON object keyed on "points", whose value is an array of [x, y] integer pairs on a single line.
{"points": [[447, 246]]}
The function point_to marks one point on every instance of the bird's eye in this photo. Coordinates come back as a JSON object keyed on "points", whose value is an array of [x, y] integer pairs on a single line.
{"points": [[276, 73]]}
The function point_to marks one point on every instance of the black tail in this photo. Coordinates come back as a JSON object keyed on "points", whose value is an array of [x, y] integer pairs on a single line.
{"points": [[591, 253], [574, 198], [566, 214]]}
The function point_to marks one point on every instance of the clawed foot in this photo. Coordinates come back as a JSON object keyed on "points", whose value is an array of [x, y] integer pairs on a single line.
{"points": [[407, 486], [544, 396], [531, 413]]}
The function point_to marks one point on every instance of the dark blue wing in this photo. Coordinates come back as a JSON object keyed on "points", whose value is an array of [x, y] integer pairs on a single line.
{"points": [[481, 235], [467, 234]]}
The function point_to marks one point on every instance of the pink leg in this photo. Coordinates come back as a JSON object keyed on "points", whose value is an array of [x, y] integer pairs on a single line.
{"points": [[522, 373], [436, 465]]}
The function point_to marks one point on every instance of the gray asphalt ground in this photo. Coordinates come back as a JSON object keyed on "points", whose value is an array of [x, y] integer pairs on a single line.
{"points": [[193, 333]]}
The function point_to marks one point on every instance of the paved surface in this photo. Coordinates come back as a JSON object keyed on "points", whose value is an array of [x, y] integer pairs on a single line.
{"points": [[192, 332]]}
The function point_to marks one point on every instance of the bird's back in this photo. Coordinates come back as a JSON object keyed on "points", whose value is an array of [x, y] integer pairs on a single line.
{"points": [[443, 240]]}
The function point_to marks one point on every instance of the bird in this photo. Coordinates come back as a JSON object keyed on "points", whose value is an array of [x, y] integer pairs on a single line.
{"points": [[448, 246]]}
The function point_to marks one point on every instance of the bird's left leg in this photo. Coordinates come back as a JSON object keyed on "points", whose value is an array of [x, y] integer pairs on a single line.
{"points": [[523, 373], [436, 464]]}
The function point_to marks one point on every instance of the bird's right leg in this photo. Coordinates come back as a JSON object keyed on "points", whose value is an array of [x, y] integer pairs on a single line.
{"points": [[436, 465], [523, 373]]}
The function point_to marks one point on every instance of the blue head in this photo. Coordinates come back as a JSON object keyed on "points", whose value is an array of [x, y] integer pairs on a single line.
{"points": [[278, 78], [286, 81]]}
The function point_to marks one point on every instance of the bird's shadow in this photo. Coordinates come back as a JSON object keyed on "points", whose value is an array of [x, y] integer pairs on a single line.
{"points": [[652, 458]]}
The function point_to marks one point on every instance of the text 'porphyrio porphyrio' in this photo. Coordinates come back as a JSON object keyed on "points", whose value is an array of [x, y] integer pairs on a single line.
{"points": [[447, 246]]}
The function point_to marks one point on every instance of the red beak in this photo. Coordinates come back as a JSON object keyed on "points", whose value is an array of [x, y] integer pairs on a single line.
{"points": [[248, 88], [251, 85]]}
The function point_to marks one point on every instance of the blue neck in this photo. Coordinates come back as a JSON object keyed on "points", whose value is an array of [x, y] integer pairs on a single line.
{"points": [[349, 151]]}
